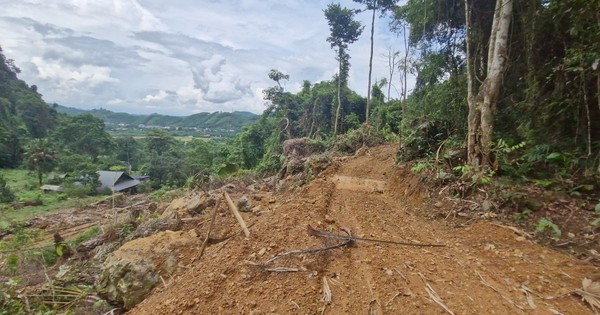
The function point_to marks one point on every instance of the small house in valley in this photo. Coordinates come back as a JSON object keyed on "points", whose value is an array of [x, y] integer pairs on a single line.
{"points": [[116, 181]]}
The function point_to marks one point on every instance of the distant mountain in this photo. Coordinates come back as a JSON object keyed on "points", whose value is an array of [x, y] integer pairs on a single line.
{"points": [[216, 120]]}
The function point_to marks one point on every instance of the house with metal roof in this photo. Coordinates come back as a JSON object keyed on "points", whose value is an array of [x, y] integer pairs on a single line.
{"points": [[116, 181]]}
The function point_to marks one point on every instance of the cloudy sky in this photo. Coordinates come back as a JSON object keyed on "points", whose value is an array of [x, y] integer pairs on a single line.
{"points": [[177, 57]]}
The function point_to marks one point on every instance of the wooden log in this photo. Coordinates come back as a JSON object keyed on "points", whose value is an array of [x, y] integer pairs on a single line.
{"points": [[236, 213], [210, 226]]}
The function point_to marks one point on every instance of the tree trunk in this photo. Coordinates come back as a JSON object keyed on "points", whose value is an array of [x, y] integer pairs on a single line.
{"points": [[405, 64], [474, 117], [392, 67], [370, 66], [339, 93], [484, 105]]}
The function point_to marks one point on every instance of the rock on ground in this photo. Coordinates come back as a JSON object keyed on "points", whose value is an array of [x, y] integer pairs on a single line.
{"points": [[132, 271]]}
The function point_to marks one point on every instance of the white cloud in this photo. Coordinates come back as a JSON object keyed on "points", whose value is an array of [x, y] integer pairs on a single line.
{"points": [[175, 56], [160, 96], [66, 79], [115, 101]]}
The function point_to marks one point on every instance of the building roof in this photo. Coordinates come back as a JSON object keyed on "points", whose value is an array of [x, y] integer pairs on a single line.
{"points": [[51, 188], [141, 178], [116, 181]]}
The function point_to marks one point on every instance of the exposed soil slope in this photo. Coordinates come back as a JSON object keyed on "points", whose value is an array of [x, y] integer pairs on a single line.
{"points": [[484, 268]]}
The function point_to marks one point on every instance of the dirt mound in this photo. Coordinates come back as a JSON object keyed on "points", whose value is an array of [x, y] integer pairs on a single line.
{"points": [[484, 268]]}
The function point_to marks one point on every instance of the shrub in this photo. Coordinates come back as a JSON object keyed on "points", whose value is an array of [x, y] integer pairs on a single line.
{"points": [[76, 191], [364, 136], [6, 194]]}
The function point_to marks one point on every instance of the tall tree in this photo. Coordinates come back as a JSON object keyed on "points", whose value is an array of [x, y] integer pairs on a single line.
{"points": [[374, 5], [83, 134], [482, 106], [159, 142], [344, 31], [40, 157]]}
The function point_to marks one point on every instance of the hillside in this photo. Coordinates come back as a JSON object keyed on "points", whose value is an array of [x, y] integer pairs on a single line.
{"points": [[23, 113], [216, 120], [299, 256], [483, 268]]}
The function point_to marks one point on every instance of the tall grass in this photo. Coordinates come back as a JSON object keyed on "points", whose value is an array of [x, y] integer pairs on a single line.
{"points": [[26, 188]]}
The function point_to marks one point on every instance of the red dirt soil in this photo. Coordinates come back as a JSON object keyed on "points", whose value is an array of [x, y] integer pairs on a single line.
{"points": [[484, 269]]}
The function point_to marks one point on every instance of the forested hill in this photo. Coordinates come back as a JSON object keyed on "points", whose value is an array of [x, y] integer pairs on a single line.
{"points": [[23, 113], [216, 120]]}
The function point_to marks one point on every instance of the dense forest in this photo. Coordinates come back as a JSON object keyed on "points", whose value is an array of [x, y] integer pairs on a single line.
{"points": [[502, 87]]}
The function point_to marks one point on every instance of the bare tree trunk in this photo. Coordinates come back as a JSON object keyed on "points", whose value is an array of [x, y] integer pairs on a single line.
{"points": [[405, 64], [598, 94], [392, 67], [312, 124], [370, 66], [480, 137], [474, 117], [491, 85], [339, 93]]}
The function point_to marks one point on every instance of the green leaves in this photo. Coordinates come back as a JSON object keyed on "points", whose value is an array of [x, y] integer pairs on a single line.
{"points": [[344, 29], [544, 224]]}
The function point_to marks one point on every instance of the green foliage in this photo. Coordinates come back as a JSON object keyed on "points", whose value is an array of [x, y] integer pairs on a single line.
{"points": [[543, 182], [23, 114], [420, 167], [83, 134], [544, 224], [40, 157], [86, 235], [351, 121], [549, 95], [159, 142], [6, 194], [344, 29], [10, 304], [350, 142], [522, 216], [464, 170]]}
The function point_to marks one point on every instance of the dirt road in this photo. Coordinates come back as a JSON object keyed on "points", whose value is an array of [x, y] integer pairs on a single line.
{"points": [[484, 268]]}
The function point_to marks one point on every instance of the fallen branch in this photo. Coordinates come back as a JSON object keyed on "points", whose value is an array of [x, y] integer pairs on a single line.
{"points": [[507, 299], [327, 297], [306, 251], [236, 213], [282, 269], [141, 203], [434, 296], [318, 233], [310, 250], [210, 226]]}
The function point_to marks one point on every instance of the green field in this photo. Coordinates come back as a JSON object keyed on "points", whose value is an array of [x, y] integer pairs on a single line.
{"points": [[26, 188]]}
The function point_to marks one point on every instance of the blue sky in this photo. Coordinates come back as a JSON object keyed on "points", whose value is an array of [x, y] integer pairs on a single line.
{"points": [[178, 57]]}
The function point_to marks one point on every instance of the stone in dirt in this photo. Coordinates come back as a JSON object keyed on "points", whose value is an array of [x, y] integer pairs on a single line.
{"points": [[188, 206], [132, 271], [154, 226], [244, 204], [199, 203]]}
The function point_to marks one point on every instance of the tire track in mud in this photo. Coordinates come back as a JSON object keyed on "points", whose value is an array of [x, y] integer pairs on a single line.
{"points": [[348, 188], [372, 219]]}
